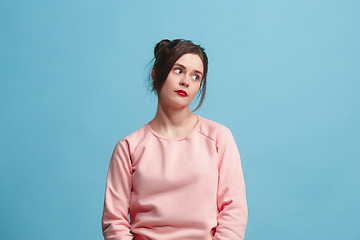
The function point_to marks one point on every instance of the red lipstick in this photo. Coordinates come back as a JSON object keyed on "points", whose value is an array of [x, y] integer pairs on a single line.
{"points": [[181, 93]]}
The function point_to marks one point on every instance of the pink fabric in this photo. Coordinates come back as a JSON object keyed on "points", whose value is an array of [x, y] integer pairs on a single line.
{"points": [[189, 188]]}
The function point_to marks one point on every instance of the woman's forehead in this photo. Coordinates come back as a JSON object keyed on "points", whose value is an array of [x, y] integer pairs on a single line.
{"points": [[191, 61]]}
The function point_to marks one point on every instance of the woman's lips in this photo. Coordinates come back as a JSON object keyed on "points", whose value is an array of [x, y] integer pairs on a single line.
{"points": [[181, 93]]}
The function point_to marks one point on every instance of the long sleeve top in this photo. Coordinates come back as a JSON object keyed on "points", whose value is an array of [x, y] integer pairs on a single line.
{"points": [[175, 189]]}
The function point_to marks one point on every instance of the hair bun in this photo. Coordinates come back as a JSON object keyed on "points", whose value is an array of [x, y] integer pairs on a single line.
{"points": [[160, 45]]}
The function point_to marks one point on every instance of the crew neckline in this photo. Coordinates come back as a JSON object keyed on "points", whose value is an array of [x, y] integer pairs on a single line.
{"points": [[156, 134]]}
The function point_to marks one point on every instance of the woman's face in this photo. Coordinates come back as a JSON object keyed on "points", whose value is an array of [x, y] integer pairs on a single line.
{"points": [[183, 82]]}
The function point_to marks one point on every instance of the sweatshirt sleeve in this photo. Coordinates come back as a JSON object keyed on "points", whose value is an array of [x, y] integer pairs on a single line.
{"points": [[115, 222], [231, 196]]}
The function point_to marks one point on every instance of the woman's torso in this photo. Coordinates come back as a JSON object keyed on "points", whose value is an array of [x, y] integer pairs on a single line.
{"points": [[174, 183]]}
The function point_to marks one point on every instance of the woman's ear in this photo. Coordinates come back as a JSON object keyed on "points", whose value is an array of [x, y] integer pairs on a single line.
{"points": [[153, 74]]}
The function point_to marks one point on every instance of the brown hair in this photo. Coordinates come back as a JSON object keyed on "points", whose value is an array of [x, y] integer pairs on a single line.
{"points": [[166, 53]]}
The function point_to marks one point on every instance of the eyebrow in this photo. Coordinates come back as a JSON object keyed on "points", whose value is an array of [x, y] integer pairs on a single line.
{"points": [[182, 66]]}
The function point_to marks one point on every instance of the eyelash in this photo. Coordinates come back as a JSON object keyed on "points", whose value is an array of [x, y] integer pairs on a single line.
{"points": [[179, 71]]}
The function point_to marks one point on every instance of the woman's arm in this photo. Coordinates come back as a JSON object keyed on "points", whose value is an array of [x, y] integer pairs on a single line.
{"points": [[115, 222], [231, 196]]}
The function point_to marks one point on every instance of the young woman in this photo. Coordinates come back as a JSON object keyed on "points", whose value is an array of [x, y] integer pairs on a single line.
{"points": [[179, 176]]}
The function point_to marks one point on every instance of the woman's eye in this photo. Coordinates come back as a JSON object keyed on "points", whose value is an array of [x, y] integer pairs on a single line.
{"points": [[195, 77], [177, 70]]}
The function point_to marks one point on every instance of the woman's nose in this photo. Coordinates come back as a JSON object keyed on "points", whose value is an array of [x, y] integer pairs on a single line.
{"points": [[184, 82]]}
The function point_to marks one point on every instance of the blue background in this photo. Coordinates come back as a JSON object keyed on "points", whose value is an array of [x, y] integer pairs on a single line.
{"points": [[283, 76]]}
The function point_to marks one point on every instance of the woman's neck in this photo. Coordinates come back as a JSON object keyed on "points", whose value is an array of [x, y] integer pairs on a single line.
{"points": [[173, 122]]}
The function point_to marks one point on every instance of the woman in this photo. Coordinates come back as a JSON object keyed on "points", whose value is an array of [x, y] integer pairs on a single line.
{"points": [[179, 176]]}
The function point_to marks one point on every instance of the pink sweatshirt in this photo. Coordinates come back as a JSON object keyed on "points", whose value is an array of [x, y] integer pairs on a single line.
{"points": [[183, 189]]}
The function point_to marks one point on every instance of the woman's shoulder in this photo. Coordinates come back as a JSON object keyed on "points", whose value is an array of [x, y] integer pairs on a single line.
{"points": [[135, 138], [212, 129]]}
